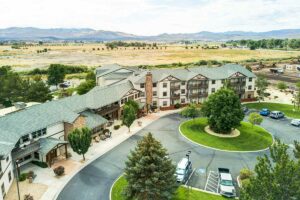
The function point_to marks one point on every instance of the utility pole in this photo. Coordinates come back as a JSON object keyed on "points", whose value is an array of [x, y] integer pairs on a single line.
{"points": [[17, 177]]}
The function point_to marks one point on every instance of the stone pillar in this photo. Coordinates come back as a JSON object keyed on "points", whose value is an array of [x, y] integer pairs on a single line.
{"points": [[148, 89]]}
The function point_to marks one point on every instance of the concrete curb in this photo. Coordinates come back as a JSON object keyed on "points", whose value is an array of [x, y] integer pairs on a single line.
{"points": [[110, 191], [228, 151], [98, 156]]}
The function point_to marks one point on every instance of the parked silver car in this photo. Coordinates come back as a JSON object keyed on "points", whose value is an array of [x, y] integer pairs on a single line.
{"points": [[276, 114], [295, 122]]}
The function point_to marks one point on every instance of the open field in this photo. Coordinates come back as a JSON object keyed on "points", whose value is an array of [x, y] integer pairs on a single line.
{"points": [[88, 54]]}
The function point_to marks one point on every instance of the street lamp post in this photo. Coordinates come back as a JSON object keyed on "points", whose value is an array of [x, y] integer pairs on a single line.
{"points": [[17, 177]]}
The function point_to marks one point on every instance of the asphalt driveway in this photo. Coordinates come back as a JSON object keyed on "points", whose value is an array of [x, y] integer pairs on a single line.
{"points": [[95, 180]]}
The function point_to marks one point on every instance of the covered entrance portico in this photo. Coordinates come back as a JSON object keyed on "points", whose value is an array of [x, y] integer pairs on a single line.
{"points": [[51, 148]]}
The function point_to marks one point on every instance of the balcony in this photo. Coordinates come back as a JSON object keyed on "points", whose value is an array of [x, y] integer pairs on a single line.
{"points": [[175, 87], [198, 95], [197, 86], [25, 150], [175, 96], [108, 109], [238, 83]]}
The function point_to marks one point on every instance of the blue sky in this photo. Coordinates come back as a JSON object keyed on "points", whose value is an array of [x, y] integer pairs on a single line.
{"points": [[151, 17]]}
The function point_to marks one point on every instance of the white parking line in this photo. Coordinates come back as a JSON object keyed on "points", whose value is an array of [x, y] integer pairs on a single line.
{"points": [[212, 183], [190, 177]]}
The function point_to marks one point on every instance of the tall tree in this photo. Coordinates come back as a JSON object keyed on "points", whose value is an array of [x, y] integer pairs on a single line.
{"points": [[134, 104], [56, 74], [297, 95], [223, 110], [80, 140], [276, 177], [261, 84], [129, 115], [149, 172], [255, 119], [38, 91], [85, 87]]}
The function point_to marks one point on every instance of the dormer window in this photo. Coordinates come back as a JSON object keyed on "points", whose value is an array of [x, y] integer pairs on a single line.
{"points": [[25, 138]]}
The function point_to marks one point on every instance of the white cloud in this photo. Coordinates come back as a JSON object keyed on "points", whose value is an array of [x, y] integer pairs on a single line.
{"points": [[148, 17]]}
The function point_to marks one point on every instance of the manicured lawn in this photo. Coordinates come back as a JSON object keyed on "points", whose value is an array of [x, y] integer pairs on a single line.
{"points": [[250, 139], [182, 193], [286, 108]]}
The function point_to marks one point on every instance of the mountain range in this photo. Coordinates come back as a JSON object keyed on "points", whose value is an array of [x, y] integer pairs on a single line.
{"points": [[87, 34]]}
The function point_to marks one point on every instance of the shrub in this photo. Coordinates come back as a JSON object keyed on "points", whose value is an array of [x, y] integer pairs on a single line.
{"points": [[28, 197], [245, 182], [30, 174], [177, 105], [245, 173], [116, 127], [60, 170], [105, 131], [40, 164], [23, 177]]}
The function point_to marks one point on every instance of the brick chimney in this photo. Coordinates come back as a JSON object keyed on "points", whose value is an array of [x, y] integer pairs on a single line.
{"points": [[148, 89]]}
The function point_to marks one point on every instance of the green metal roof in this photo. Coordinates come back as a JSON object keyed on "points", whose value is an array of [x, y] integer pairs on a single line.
{"points": [[47, 144], [93, 120]]}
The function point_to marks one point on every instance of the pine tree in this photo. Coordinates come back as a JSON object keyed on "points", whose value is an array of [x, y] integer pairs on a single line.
{"points": [[149, 172], [80, 140]]}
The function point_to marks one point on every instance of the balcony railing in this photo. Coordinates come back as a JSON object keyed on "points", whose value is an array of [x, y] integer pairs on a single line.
{"points": [[174, 87], [196, 86], [198, 95], [25, 150], [175, 96]]}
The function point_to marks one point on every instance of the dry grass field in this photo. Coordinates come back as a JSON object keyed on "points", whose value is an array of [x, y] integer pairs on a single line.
{"points": [[88, 54]]}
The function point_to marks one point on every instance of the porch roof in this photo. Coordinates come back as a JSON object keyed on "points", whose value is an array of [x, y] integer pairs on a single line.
{"points": [[47, 144], [93, 120]]}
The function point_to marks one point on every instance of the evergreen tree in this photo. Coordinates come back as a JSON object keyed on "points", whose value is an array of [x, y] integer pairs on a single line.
{"points": [[149, 172], [80, 140], [276, 177], [223, 110], [129, 115]]}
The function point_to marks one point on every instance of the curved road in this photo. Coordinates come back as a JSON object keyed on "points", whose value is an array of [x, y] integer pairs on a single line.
{"points": [[94, 181]]}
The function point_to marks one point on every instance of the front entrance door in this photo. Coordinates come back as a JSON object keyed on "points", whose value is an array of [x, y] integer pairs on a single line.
{"points": [[50, 156]]}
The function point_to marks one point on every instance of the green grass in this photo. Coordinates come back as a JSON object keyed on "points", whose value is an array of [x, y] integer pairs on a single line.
{"points": [[286, 108], [250, 138], [182, 193]]}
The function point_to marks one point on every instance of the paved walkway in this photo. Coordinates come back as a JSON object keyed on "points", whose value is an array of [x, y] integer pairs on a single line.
{"points": [[75, 163]]}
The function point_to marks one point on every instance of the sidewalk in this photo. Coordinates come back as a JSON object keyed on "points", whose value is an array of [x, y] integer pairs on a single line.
{"points": [[74, 164]]}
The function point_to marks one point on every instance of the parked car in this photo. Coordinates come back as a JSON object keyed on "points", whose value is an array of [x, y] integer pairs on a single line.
{"points": [[183, 170], [276, 114], [226, 186], [245, 109], [295, 122], [264, 112]]}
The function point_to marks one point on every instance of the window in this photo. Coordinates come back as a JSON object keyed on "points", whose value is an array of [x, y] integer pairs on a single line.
{"points": [[182, 100], [250, 79], [136, 96], [165, 94], [7, 158], [0, 167], [165, 85], [122, 101], [142, 94], [213, 90], [223, 81], [249, 96], [250, 87], [9, 176], [183, 83], [25, 138], [154, 84], [142, 85], [154, 93], [213, 81], [27, 157], [36, 155], [165, 103], [183, 91]]}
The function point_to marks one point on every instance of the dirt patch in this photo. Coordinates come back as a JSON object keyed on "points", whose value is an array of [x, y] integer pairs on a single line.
{"points": [[35, 189], [232, 134]]}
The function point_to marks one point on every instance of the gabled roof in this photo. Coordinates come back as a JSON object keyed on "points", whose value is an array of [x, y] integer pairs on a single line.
{"points": [[93, 120]]}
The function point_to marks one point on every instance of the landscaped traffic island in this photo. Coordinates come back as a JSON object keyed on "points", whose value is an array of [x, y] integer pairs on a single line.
{"points": [[251, 138], [288, 110], [182, 192]]}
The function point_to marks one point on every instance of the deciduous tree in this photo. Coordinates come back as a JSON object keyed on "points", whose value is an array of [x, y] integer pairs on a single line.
{"points": [[255, 119], [223, 110], [149, 172], [129, 115], [56, 74], [80, 140], [261, 84]]}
